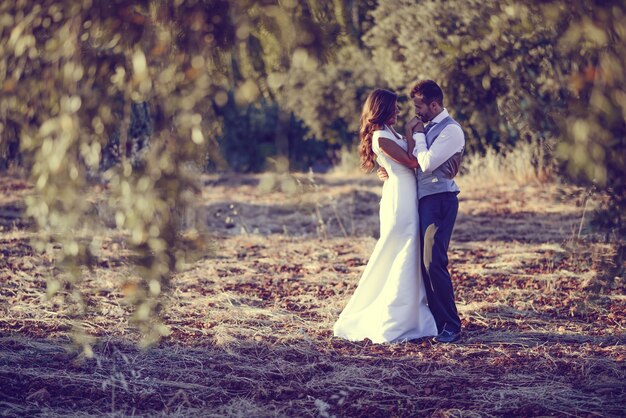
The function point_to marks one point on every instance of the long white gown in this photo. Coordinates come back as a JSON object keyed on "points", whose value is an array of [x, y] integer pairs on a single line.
{"points": [[389, 303]]}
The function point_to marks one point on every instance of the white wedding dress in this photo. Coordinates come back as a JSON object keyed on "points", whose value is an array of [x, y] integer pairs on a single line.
{"points": [[389, 303]]}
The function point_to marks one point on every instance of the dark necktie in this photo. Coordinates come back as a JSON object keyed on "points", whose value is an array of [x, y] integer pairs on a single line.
{"points": [[429, 127]]}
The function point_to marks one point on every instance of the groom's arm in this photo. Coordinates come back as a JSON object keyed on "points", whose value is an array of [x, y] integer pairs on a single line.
{"points": [[450, 141]]}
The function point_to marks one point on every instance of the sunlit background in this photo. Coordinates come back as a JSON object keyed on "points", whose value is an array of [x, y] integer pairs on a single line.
{"points": [[118, 114], [151, 89]]}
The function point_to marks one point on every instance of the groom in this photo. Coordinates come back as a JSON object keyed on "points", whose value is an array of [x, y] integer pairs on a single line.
{"points": [[439, 149]]}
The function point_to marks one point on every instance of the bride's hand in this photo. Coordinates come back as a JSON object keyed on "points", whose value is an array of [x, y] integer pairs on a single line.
{"points": [[414, 125], [411, 124], [382, 174]]}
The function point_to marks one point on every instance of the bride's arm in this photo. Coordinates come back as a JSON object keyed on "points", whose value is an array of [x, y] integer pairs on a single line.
{"points": [[412, 126], [410, 145], [396, 153]]}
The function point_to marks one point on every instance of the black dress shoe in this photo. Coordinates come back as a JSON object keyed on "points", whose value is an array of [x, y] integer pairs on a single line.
{"points": [[447, 336]]}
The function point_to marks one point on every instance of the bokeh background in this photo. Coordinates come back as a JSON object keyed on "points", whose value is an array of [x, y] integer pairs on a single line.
{"points": [[144, 140]]}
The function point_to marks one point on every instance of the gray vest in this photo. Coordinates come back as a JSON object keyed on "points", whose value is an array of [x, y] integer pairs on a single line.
{"points": [[441, 179]]}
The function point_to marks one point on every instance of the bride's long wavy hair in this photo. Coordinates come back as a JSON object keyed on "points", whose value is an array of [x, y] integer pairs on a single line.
{"points": [[378, 109]]}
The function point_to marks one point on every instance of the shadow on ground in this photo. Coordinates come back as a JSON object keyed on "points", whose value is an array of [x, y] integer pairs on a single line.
{"points": [[547, 376]]}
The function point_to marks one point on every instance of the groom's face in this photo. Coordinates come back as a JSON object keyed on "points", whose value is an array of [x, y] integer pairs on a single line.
{"points": [[422, 110]]}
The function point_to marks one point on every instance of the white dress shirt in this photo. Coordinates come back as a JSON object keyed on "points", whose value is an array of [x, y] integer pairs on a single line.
{"points": [[450, 141]]}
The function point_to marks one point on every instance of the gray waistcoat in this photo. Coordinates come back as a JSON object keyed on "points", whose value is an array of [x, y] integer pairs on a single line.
{"points": [[441, 179]]}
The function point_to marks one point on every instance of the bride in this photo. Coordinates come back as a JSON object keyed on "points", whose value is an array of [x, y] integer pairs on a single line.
{"points": [[389, 303]]}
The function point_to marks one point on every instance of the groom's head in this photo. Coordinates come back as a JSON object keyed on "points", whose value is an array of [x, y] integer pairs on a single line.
{"points": [[428, 99]]}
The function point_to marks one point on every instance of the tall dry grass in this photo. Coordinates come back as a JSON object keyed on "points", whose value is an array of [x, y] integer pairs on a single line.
{"points": [[349, 162], [526, 162]]}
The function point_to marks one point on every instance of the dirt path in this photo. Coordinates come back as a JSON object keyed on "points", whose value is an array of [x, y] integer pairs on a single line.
{"points": [[251, 324]]}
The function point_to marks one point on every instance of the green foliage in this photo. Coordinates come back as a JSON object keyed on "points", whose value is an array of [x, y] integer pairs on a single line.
{"points": [[511, 70], [485, 55], [73, 74], [249, 139], [74, 67], [594, 129], [329, 98], [560, 69]]}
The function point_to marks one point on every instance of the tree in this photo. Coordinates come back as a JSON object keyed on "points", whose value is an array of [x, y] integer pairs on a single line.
{"points": [[524, 69], [71, 72], [272, 42], [328, 98], [488, 75], [558, 71]]}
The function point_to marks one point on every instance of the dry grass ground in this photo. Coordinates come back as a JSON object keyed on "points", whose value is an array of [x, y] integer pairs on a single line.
{"points": [[251, 324]]}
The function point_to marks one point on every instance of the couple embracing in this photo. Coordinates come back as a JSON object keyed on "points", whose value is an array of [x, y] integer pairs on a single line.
{"points": [[406, 291]]}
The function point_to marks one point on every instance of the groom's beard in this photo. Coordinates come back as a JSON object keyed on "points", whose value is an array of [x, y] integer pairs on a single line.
{"points": [[425, 118]]}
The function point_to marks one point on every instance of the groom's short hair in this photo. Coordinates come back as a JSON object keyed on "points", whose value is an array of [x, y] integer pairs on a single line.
{"points": [[429, 90]]}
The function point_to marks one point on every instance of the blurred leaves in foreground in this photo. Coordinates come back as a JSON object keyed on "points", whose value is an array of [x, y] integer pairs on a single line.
{"points": [[72, 73]]}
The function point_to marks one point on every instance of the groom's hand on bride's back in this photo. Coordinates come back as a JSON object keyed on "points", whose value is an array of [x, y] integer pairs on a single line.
{"points": [[382, 174]]}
